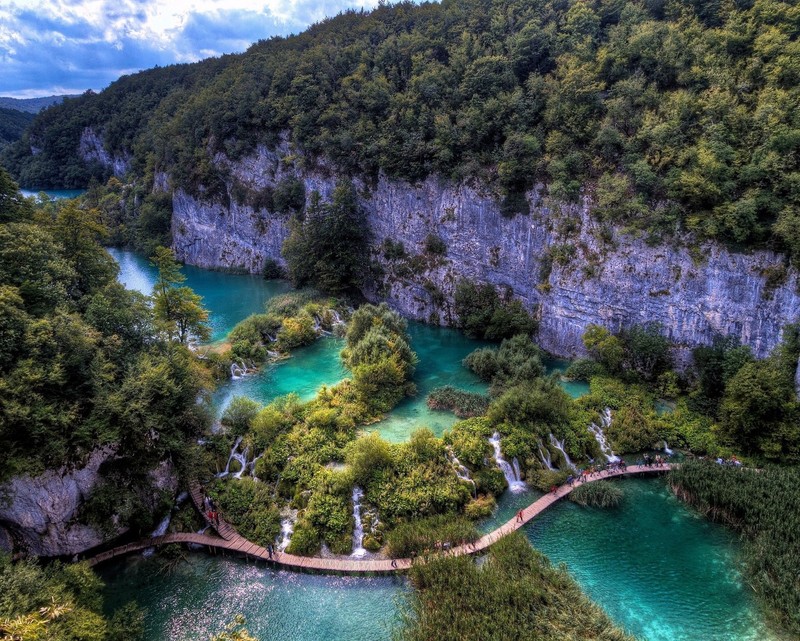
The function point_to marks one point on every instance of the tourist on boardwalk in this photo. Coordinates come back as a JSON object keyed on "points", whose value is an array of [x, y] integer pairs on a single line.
{"points": [[394, 563], [571, 480], [270, 549], [519, 517]]}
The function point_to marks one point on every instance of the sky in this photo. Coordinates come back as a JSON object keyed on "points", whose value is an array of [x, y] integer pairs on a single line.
{"points": [[52, 47]]}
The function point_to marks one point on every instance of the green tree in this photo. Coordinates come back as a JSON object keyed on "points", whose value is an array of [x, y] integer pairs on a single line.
{"points": [[178, 310], [327, 248]]}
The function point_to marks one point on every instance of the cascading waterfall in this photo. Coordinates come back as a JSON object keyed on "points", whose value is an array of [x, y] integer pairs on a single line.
{"points": [[559, 445], [600, 437], [510, 470], [544, 456], [163, 526], [318, 328], [667, 451], [358, 531], [239, 370], [287, 529], [236, 456], [461, 471]]}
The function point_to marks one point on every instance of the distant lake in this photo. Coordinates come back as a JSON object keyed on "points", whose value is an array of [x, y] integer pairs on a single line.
{"points": [[54, 194]]}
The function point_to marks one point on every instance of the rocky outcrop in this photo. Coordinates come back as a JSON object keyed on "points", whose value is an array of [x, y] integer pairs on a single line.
{"points": [[564, 265], [91, 149], [40, 515]]}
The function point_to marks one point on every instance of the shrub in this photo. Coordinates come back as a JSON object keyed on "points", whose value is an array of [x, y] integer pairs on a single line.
{"points": [[517, 360], [483, 314], [273, 270], [434, 245], [480, 508]]}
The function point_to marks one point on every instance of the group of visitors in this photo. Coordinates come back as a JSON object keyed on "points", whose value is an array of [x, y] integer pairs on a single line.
{"points": [[596, 471], [653, 461], [211, 512], [732, 461]]}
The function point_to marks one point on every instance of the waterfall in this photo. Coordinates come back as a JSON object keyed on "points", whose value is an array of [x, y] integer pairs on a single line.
{"points": [[510, 470], [461, 471], [287, 529], [235, 456], [358, 531], [544, 456], [163, 526], [337, 320], [318, 328], [600, 437], [238, 370], [559, 445], [667, 451], [161, 530]]}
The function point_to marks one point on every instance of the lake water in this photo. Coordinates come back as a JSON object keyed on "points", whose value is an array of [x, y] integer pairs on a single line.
{"points": [[54, 194], [658, 569], [232, 297]]}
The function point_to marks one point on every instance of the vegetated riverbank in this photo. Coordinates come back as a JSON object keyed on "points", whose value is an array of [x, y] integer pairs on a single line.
{"points": [[764, 507], [515, 593]]}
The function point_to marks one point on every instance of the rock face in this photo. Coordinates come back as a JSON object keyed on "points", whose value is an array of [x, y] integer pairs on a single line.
{"points": [[92, 150], [39, 515], [560, 262]]}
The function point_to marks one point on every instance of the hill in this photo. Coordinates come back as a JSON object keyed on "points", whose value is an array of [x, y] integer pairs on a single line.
{"points": [[12, 124], [30, 105], [679, 115]]}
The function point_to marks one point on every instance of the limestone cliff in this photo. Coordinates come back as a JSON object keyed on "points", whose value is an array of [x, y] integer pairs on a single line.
{"points": [[41, 515], [91, 149], [558, 260]]}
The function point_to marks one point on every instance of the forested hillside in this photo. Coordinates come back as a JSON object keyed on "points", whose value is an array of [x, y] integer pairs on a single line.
{"points": [[674, 114], [12, 124]]}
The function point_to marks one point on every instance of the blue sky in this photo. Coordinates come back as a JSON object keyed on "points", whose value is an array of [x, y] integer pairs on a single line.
{"points": [[68, 46]]}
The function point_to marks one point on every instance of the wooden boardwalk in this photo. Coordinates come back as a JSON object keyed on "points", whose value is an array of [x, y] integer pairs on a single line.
{"points": [[232, 541]]}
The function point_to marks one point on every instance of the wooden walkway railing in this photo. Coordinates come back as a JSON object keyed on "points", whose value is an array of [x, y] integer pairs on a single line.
{"points": [[232, 541]]}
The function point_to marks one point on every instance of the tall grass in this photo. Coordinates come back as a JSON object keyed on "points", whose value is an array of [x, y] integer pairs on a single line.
{"points": [[462, 404], [426, 535], [764, 506], [603, 494], [516, 595]]}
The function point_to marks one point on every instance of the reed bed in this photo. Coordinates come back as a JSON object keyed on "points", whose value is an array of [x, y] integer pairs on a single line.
{"points": [[603, 494], [515, 595], [764, 507]]}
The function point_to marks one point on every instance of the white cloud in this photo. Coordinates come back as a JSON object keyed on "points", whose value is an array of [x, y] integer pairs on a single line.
{"points": [[47, 44]]}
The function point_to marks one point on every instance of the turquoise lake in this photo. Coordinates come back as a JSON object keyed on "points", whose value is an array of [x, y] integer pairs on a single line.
{"points": [[232, 297], [54, 194], [658, 569]]}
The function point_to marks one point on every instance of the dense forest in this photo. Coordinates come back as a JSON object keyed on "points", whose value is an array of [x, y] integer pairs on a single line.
{"points": [[12, 124], [672, 114], [86, 364]]}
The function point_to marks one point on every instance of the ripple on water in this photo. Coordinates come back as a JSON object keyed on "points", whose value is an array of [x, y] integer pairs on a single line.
{"points": [[198, 598], [658, 570]]}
